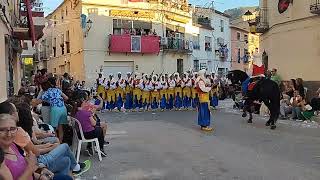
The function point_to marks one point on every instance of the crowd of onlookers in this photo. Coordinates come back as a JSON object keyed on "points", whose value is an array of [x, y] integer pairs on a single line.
{"points": [[294, 103], [34, 129]]}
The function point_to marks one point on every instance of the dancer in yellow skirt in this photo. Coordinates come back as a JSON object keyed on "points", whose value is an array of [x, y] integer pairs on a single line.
{"points": [[163, 93], [187, 81], [119, 91], [171, 88], [111, 95], [204, 115], [178, 92], [100, 87], [137, 92], [194, 92], [128, 92], [155, 93], [146, 92]]}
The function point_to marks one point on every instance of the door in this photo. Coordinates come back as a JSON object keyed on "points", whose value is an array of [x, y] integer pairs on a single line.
{"points": [[180, 66], [115, 66]]}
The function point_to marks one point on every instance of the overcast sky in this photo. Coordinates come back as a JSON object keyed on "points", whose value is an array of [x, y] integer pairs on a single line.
{"points": [[220, 5]]}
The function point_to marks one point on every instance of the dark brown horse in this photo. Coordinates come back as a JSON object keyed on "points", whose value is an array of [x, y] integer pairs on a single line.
{"points": [[265, 90]]}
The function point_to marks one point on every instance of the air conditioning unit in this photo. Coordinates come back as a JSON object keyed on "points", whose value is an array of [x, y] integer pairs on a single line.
{"points": [[164, 41]]}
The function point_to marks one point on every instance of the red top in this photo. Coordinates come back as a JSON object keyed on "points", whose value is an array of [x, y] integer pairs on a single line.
{"points": [[257, 70]]}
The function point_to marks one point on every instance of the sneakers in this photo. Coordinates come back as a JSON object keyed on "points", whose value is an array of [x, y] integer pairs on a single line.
{"points": [[84, 167], [106, 143]]}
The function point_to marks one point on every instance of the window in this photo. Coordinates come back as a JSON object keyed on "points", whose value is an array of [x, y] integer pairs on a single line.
{"points": [[25, 46], [68, 41], [239, 55], [92, 10], [238, 36], [66, 10], [196, 42], [62, 15], [55, 20], [180, 66], [196, 65], [245, 38], [134, 27], [207, 43], [62, 44], [54, 47], [221, 25]]}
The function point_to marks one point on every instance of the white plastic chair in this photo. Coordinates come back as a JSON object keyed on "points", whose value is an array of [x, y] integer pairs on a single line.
{"points": [[77, 128]]}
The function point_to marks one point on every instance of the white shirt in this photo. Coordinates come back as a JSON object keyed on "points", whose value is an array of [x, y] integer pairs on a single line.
{"points": [[172, 84], [202, 86]]}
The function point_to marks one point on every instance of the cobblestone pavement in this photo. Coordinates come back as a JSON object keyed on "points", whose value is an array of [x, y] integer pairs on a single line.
{"points": [[170, 146]]}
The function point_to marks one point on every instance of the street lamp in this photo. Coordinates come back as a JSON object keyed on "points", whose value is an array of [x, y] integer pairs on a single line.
{"points": [[251, 19], [88, 27]]}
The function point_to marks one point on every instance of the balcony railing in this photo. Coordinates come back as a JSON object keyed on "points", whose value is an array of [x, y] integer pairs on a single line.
{"points": [[43, 55], [262, 21], [315, 7], [176, 45], [127, 43], [205, 22]]}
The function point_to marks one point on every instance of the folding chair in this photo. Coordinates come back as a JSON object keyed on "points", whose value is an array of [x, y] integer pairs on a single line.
{"points": [[77, 128]]}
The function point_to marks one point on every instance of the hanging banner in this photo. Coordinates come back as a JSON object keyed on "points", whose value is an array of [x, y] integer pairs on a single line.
{"points": [[135, 43], [283, 5]]}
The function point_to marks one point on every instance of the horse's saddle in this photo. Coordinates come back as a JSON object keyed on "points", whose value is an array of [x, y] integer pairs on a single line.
{"points": [[251, 86]]}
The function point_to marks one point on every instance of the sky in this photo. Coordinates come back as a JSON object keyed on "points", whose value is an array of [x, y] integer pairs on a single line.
{"points": [[220, 5]]}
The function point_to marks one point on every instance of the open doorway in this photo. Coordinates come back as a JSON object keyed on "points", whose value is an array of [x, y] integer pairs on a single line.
{"points": [[180, 66]]}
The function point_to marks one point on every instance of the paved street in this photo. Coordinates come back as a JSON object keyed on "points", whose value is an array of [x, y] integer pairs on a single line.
{"points": [[169, 145]]}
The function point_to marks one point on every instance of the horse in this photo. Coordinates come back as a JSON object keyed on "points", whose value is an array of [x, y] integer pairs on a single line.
{"points": [[264, 90]]}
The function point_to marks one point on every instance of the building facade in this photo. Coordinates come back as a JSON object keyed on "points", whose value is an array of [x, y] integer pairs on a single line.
{"points": [[130, 36], [290, 38], [243, 44], [212, 50]]}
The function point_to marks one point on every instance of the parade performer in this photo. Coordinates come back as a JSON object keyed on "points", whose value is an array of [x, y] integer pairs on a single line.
{"points": [[178, 92], [137, 92], [163, 92], [187, 90], [100, 87], [146, 92], [255, 72], [214, 91], [111, 95], [128, 92], [204, 115], [172, 85], [194, 92], [155, 94], [119, 91]]}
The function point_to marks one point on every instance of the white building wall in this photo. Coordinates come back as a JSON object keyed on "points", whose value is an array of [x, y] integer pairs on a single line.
{"points": [[3, 65], [226, 35], [97, 56]]}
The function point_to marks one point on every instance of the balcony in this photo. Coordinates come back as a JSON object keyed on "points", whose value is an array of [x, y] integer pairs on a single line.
{"points": [[43, 56], [262, 21], [30, 25], [179, 45], [204, 22], [127, 43], [315, 7]]}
